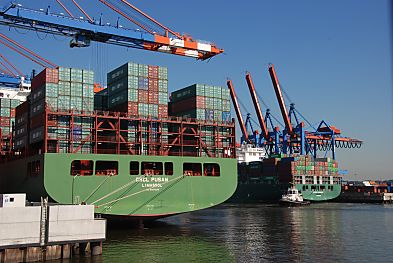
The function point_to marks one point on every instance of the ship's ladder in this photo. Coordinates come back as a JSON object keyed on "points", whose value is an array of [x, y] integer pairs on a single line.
{"points": [[44, 222]]}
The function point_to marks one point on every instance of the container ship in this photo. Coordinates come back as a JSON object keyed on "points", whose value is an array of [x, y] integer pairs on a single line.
{"points": [[271, 162], [264, 179], [118, 148], [366, 192]]}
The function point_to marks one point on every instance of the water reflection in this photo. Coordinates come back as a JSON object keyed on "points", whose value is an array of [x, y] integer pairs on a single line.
{"points": [[259, 233], [163, 242]]}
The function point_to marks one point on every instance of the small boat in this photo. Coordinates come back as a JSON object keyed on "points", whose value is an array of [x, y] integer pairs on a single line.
{"points": [[293, 198]]}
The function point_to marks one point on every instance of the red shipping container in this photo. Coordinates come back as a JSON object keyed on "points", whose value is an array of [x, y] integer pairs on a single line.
{"points": [[37, 121], [153, 97], [22, 108], [197, 102], [153, 89], [48, 75], [153, 72], [130, 108], [133, 108], [143, 96], [163, 111], [5, 121], [153, 82]]}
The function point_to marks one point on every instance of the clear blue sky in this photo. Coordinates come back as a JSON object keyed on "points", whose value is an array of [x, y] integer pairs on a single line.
{"points": [[333, 58]]}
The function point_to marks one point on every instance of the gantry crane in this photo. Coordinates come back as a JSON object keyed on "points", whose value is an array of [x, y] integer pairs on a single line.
{"points": [[297, 139], [268, 139], [83, 31], [11, 76], [238, 112]]}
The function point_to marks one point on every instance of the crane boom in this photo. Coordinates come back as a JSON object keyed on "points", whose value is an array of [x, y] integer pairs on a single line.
{"points": [[84, 31], [280, 99], [257, 106], [237, 110]]}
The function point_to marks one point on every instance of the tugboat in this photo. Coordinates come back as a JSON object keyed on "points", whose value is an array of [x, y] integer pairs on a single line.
{"points": [[293, 198]]}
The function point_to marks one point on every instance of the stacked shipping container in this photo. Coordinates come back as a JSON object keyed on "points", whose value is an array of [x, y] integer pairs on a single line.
{"points": [[101, 100], [139, 90], [132, 124], [292, 169], [7, 118], [63, 90], [22, 125], [203, 102], [7, 114]]}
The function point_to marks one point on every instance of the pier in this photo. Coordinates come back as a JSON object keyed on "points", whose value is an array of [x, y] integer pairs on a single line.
{"points": [[40, 232]]}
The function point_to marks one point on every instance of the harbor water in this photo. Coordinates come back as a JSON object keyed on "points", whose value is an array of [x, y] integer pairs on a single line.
{"points": [[322, 232]]}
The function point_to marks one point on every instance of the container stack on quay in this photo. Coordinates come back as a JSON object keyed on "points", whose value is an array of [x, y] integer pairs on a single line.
{"points": [[7, 119]]}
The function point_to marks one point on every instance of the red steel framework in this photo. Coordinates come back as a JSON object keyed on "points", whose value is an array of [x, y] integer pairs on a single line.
{"points": [[109, 133]]}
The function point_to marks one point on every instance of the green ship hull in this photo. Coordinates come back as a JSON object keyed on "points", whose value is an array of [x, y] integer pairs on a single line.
{"points": [[319, 192], [122, 194]]}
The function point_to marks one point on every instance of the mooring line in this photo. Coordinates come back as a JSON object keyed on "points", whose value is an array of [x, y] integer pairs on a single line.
{"points": [[96, 189], [147, 189], [113, 192]]}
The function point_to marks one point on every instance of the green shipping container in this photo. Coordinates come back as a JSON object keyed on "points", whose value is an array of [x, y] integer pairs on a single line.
{"points": [[64, 88], [88, 90], [190, 91], [14, 103], [88, 76], [225, 94], [63, 102], [76, 89], [163, 73], [5, 112], [64, 74], [162, 98], [153, 110], [76, 75], [143, 109], [5, 103], [163, 85], [217, 92], [76, 103]]}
